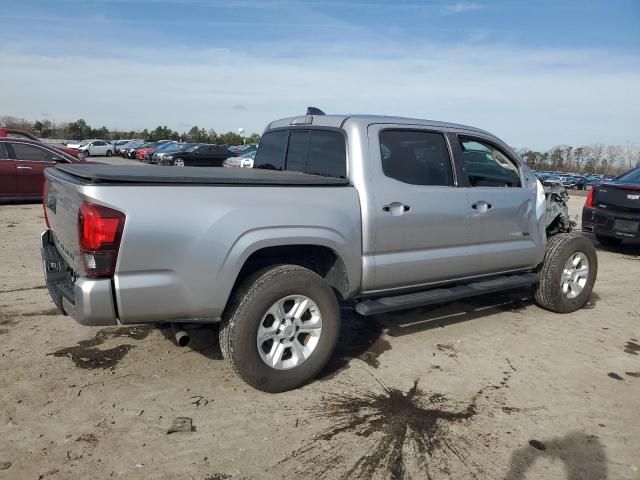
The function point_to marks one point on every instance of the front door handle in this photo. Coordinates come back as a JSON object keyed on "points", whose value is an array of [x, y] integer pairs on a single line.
{"points": [[24, 168], [482, 206], [396, 208]]}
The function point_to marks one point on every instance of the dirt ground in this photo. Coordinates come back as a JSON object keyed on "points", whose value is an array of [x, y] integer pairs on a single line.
{"points": [[482, 389]]}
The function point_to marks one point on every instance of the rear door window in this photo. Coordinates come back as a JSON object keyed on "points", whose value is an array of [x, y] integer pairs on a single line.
{"points": [[416, 157], [3, 151]]}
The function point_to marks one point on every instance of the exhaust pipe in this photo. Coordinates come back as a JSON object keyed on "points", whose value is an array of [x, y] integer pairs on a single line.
{"points": [[182, 338]]}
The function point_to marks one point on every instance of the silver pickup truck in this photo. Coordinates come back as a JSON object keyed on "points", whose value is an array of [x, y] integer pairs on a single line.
{"points": [[385, 213]]}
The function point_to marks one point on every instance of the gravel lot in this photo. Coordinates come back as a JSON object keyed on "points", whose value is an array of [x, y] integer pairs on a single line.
{"points": [[491, 388]]}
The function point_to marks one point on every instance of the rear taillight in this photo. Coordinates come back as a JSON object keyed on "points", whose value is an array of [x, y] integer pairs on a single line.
{"points": [[99, 234], [45, 189], [590, 197]]}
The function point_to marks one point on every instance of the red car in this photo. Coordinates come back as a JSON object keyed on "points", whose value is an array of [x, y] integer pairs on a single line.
{"points": [[22, 162], [143, 151], [15, 133]]}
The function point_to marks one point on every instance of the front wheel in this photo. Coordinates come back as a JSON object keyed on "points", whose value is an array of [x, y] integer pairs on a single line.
{"points": [[280, 328], [179, 162], [568, 273]]}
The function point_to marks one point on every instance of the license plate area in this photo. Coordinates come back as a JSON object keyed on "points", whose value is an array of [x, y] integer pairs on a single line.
{"points": [[626, 226]]}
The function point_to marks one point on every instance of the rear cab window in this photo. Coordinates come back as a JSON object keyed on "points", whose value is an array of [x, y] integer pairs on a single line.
{"points": [[311, 151]]}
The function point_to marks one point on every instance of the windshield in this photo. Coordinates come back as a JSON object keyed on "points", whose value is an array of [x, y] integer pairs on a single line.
{"points": [[177, 146]]}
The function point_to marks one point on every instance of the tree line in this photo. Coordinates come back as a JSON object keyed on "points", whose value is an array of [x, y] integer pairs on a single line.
{"points": [[81, 130], [595, 158]]}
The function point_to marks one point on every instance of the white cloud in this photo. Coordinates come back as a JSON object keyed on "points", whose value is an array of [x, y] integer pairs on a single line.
{"points": [[533, 98], [461, 7]]}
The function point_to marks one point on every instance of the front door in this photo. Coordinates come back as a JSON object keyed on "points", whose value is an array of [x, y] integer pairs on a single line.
{"points": [[7, 173], [504, 231], [421, 218], [31, 160]]}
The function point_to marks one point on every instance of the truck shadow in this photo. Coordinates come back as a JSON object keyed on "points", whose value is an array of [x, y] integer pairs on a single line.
{"points": [[583, 457], [421, 319], [204, 339]]}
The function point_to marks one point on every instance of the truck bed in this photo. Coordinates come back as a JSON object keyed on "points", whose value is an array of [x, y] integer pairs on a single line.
{"points": [[141, 174]]}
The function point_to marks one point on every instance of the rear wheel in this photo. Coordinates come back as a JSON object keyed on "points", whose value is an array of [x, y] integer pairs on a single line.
{"points": [[608, 241], [109, 153], [280, 328], [568, 273], [179, 162]]}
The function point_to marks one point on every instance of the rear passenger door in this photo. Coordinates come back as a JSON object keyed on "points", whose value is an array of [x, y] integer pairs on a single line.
{"points": [[421, 217], [504, 232], [7, 173]]}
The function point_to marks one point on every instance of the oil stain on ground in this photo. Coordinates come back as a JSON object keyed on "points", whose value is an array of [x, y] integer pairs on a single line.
{"points": [[42, 313], [87, 354], [631, 347], [398, 432]]}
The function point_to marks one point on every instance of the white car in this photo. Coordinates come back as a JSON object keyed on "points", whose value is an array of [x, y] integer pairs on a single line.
{"points": [[244, 161], [100, 148]]}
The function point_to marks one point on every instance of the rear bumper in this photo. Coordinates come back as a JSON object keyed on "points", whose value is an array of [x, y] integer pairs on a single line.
{"points": [[603, 222], [87, 301]]}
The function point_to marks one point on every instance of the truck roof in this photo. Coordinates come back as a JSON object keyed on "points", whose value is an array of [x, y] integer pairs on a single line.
{"points": [[338, 121]]}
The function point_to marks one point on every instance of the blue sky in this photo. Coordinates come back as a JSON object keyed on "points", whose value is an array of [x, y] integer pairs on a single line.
{"points": [[534, 73]]}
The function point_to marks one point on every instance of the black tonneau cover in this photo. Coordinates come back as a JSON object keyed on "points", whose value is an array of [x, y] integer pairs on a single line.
{"points": [[141, 174]]}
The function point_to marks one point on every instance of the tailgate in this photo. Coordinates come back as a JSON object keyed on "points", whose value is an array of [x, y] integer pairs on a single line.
{"points": [[62, 201]]}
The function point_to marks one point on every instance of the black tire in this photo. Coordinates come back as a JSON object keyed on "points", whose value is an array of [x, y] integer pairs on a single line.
{"points": [[109, 153], [176, 162], [247, 307], [560, 248], [608, 241]]}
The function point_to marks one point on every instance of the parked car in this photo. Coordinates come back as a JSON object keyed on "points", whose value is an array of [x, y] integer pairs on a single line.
{"points": [[144, 150], [172, 149], [162, 147], [612, 209], [15, 133], [100, 148], [243, 161], [22, 163], [201, 155], [129, 151], [270, 252], [550, 182], [120, 145]]}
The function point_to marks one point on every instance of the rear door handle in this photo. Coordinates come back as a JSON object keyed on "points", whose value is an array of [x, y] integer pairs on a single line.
{"points": [[396, 208], [24, 168], [482, 206]]}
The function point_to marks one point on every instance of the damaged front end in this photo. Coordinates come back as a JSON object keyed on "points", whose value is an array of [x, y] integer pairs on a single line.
{"points": [[557, 211]]}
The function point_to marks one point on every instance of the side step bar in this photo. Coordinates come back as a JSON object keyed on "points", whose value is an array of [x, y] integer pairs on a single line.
{"points": [[441, 295]]}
